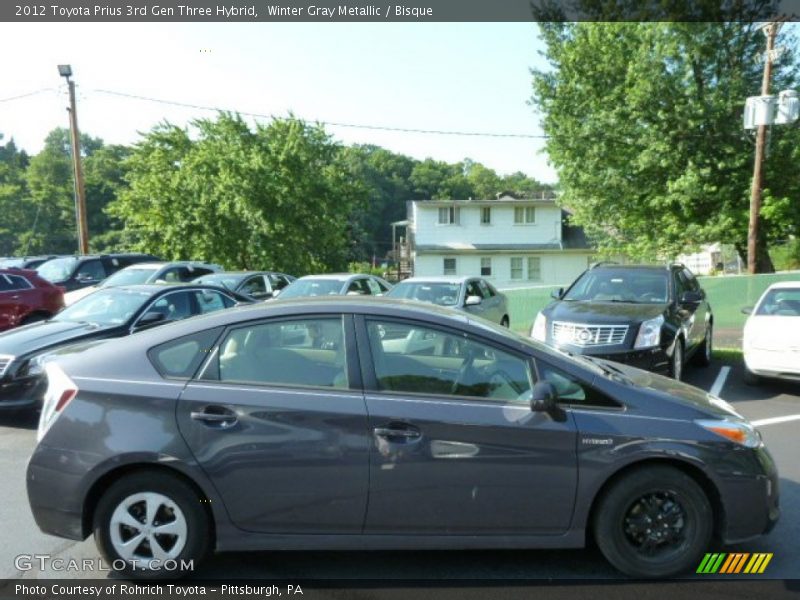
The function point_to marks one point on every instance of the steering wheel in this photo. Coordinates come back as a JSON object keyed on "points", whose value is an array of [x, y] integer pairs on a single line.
{"points": [[462, 371]]}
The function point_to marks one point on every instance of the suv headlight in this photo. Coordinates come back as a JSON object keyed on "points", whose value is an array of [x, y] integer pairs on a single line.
{"points": [[36, 365], [539, 329], [649, 333], [740, 432]]}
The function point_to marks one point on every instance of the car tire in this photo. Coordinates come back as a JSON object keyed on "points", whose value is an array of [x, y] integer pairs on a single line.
{"points": [[749, 377], [505, 321], [178, 510], [676, 362], [671, 500], [702, 357]]}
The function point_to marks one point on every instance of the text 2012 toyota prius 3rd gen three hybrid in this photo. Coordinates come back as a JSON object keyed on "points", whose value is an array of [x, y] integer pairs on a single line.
{"points": [[313, 425]]}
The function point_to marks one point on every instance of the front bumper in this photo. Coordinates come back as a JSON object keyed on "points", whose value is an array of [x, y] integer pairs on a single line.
{"points": [[24, 392], [649, 359]]}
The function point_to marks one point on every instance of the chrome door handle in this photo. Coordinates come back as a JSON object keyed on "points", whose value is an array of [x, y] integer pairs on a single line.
{"points": [[401, 433], [221, 419]]}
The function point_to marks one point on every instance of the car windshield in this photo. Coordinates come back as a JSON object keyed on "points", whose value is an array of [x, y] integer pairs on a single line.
{"points": [[313, 287], [780, 303], [57, 269], [223, 279], [113, 306], [444, 294], [131, 276], [621, 285]]}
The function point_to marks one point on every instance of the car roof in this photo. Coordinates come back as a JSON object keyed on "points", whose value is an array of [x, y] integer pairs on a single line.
{"points": [[786, 285], [336, 276], [459, 279], [639, 267], [153, 288], [164, 263]]}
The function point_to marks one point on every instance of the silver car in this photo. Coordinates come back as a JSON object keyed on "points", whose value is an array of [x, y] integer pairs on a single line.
{"points": [[471, 294]]}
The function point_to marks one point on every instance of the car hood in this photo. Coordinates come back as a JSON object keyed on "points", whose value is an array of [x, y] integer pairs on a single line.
{"points": [[580, 311], [75, 295], [677, 391], [46, 334]]}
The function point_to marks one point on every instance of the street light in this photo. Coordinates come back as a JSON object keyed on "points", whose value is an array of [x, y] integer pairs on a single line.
{"points": [[80, 194]]}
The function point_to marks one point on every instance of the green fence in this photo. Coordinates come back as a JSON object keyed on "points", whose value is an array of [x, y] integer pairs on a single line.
{"points": [[727, 295]]}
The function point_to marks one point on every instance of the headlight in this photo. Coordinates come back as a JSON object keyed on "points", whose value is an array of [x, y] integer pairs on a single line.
{"points": [[36, 365], [649, 333], [740, 432], [539, 329]]}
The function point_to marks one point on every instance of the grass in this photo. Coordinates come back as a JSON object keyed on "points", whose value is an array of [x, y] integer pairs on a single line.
{"points": [[728, 355]]}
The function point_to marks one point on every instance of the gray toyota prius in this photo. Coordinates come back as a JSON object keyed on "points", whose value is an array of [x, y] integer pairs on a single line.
{"points": [[353, 423]]}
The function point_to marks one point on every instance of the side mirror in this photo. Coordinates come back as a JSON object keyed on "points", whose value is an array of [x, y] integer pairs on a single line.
{"points": [[473, 301], [543, 397], [276, 293], [691, 297], [747, 310], [556, 294], [148, 319]]}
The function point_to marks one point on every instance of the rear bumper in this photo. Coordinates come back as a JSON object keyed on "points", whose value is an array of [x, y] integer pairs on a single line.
{"points": [[782, 365]]}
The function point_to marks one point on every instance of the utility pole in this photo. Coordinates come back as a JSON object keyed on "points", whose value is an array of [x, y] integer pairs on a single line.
{"points": [[80, 190], [771, 31]]}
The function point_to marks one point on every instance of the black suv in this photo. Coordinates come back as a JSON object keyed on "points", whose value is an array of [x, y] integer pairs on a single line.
{"points": [[651, 317], [76, 272]]}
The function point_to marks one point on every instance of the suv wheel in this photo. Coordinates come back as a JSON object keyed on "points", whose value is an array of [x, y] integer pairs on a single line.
{"points": [[703, 355], [676, 364], [654, 522], [145, 521]]}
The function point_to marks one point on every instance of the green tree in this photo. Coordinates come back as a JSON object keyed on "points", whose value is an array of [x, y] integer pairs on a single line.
{"points": [[645, 131], [13, 194], [276, 197]]}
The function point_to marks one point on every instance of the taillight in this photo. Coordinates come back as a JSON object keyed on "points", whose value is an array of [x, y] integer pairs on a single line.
{"points": [[60, 392]]}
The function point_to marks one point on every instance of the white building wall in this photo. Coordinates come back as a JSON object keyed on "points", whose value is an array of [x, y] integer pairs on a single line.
{"points": [[502, 230], [556, 268]]}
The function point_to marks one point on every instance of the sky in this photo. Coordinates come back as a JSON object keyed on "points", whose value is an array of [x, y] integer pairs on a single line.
{"points": [[471, 77]]}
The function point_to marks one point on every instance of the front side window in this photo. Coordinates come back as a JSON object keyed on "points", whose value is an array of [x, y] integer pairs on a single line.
{"points": [[255, 286], [413, 358], [358, 287], [299, 352], [174, 306], [91, 271], [449, 266], [534, 268], [486, 267], [569, 389], [208, 301], [516, 267], [473, 289]]}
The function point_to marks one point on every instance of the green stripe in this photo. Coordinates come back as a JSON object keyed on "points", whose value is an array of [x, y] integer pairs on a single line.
{"points": [[701, 568], [718, 564]]}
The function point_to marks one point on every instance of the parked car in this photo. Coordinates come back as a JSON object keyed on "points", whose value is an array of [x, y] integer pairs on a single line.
{"points": [[25, 262], [471, 294], [148, 272], [258, 285], [108, 313], [75, 272], [340, 284], [25, 298], [249, 421], [652, 317], [771, 342]]}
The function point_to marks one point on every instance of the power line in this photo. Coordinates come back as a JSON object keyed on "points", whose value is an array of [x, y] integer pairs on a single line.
{"points": [[34, 93], [329, 123]]}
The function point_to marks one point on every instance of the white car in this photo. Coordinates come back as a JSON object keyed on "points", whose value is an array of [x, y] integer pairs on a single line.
{"points": [[771, 343], [148, 272]]}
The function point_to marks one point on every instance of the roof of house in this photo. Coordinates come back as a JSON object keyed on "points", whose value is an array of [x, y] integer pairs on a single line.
{"points": [[503, 198]]}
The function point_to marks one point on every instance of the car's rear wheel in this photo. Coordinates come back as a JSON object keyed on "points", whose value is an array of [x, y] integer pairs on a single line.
{"points": [[150, 525], [654, 522], [703, 355], [676, 363], [505, 322]]}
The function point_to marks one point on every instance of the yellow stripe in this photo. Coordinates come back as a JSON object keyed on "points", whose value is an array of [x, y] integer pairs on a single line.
{"points": [[741, 562], [765, 563], [730, 559], [749, 566], [757, 564]]}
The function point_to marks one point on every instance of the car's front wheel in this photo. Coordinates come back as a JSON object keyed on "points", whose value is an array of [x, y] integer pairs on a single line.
{"points": [[151, 525], [676, 364], [703, 356], [654, 522]]}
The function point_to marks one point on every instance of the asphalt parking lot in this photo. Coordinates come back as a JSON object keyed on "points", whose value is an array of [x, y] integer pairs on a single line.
{"points": [[771, 405]]}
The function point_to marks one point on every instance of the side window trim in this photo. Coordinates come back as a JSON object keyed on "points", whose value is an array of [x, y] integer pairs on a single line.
{"points": [[369, 375]]}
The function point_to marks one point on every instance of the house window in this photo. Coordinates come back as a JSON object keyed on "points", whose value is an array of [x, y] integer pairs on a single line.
{"points": [[486, 215], [524, 215], [448, 215], [516, 267], [486, 267], [449, 266], [534, 268]]}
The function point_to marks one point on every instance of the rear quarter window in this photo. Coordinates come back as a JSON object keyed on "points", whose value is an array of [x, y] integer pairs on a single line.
{"points": [[180, 358]]}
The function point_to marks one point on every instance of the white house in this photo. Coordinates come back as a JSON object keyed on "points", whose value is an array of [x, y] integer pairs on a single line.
{"points": [[510, 241]]}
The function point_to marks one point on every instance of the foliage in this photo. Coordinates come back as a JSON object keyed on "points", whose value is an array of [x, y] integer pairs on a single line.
{"points": [[13, 190], [275, 197], [644, 124], [786, 256]]}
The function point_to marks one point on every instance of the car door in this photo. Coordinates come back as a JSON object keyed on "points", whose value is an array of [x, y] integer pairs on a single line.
{"points": [[473, 289], [16, 299], [493, 302], [701, 309], [687, 312], [91, 272], [455, 447], [278, 421]]}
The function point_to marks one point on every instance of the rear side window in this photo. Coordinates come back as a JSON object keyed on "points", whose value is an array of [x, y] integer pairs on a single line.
{"points": [[10, 283], [180, 358]]}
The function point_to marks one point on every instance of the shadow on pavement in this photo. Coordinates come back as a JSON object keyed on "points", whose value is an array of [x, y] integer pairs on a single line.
{"points": [[20, 419]]}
